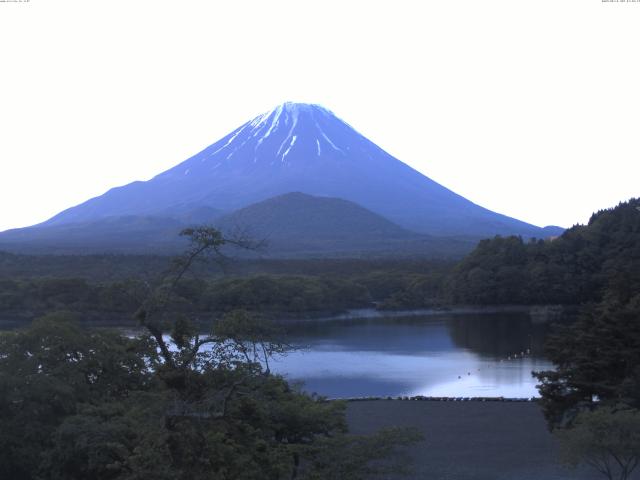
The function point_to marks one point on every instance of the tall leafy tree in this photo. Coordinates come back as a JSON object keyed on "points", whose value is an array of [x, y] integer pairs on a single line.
{"points": [[607, 439], [597, 362]]}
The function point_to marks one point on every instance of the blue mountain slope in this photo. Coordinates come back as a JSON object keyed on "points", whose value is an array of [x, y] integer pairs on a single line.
{"points": [[301, 148]]}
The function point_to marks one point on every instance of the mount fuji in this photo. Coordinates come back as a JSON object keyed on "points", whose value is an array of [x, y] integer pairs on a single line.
{"points": [[293, 148]]}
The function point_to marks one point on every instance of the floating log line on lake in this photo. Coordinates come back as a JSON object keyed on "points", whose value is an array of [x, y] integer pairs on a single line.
{"points": [[516, 356], [439, 399]]}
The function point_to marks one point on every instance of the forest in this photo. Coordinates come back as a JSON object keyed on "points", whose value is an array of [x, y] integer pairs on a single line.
{"points": [[581, 265], [577, 267], [174, 403], [325, 291], [178, 403]]}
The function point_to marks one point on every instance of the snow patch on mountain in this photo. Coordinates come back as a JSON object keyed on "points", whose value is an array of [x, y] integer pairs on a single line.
{"points": [[293, 141], [330, 142]]}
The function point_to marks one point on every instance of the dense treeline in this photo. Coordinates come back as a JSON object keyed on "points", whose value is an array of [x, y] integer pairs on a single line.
{"points": [[268, 294], [95, 268], [281, 287], [105, 287], [285, 294], [35, 297], [591, 399], [577, 267], [111, 267]]}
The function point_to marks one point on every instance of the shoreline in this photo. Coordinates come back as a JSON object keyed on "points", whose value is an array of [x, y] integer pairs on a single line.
{"points": [[421, 398], [538, 314]]}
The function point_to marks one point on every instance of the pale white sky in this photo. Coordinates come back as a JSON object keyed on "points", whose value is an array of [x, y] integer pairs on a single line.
{"points": [[529, 108]]}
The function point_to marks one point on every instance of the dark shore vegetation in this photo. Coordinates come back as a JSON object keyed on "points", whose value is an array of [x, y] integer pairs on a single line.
{"points": [[592, 398], [294, 290], [78, 403], [581, 266], [82, 403]]}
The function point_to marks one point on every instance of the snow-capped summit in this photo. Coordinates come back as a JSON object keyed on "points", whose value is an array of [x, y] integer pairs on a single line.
{"points": [[289, 132], [298, 147], [303, 124]]}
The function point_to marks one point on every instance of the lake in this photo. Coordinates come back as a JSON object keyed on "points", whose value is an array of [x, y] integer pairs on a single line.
{"points": [[451, 355]]}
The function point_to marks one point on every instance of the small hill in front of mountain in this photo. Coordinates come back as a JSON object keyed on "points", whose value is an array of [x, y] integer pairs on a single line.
{"points": [[293, 225], [305, 216], [300, 224]]}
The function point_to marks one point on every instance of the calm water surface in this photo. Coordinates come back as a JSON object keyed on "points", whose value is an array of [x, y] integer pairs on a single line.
{"points": [[459, 355], [447, 355]]}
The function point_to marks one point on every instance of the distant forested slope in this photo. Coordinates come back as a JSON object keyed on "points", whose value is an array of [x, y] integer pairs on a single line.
{"points": [[584, 264]]}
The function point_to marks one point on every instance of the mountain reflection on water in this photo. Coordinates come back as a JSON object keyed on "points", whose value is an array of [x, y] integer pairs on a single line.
{"points": [[445, 355]]}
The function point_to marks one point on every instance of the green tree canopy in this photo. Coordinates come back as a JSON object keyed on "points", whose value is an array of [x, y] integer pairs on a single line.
{"points": [[607, 439], [169, 403]]}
